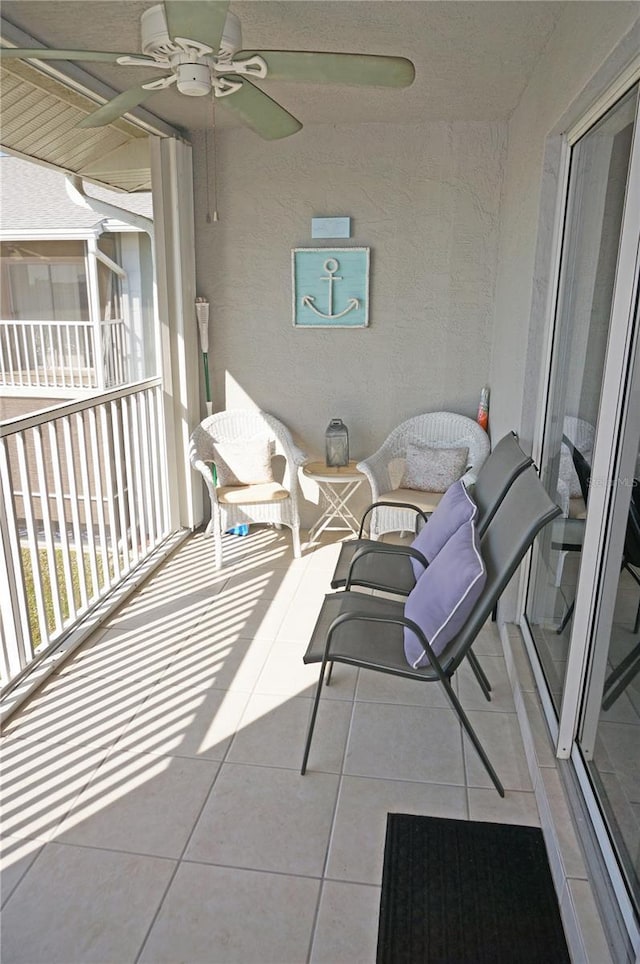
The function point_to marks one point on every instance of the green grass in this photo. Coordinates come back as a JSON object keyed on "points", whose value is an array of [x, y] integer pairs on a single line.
{"points": [[57, 586]]}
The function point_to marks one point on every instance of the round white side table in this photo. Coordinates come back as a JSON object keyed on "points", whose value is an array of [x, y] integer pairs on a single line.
{"points": [[337, 486]]}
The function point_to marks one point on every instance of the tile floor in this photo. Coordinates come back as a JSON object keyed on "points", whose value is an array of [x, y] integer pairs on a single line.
{"points": [[153, 805]]}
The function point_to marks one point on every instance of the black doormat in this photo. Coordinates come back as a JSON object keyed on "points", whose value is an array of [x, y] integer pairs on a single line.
{"points": [[463, 892]]}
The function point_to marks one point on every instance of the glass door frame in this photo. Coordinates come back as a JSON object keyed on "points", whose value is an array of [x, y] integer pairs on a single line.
{"points": [[593, 606], [612, 410]]}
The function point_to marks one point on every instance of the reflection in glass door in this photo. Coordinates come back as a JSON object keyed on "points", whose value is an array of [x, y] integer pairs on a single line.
{"points": [[583, 602], [597, 185], [609, 733]]}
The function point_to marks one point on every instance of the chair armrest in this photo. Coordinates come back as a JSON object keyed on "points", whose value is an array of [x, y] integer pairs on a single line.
{"points": [[383, 548], [205, 469], [376, 470], [400, 505], [298, 456], [469, 478]]}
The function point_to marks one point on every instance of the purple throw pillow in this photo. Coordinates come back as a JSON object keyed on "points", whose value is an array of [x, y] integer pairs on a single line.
{"points": [[455, 508], [443, 598]]}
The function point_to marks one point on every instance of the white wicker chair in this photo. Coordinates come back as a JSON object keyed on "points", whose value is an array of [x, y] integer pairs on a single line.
{"points": [[384, 469], [583, 435], [267, 502]]}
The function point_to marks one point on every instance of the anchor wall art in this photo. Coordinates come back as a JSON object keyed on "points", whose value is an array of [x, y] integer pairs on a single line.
{"points": [[330, 287]]}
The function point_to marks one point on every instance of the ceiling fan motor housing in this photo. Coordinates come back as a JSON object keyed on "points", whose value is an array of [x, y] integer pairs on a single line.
{"points": [[157, 42], [194, 79]]}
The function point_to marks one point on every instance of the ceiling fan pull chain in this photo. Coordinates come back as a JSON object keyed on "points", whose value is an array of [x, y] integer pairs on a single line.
{"points": [[211, 174]]}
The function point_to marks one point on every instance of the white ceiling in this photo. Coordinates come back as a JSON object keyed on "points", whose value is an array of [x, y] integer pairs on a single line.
{"points": [[472, 59]]}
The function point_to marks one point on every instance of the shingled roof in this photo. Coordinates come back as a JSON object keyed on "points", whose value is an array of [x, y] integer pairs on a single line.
{"points": [[35, 198]]}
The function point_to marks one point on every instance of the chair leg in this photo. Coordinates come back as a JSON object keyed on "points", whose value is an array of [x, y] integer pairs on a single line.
{"points": [[217, 546], [565, 619], [620, 677], [462, 716], [312, 721], [329, 674], [480, 675], [625, 565], [295, 536]]}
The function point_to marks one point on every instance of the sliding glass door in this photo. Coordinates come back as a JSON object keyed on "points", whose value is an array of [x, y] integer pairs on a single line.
{"points": [[583, 601]]}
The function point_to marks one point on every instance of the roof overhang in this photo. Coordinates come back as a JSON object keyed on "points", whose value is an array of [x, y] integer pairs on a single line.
{"points": [[41, 107]]}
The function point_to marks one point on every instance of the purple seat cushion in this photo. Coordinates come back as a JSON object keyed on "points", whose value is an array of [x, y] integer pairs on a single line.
{"points": [[455, 508], [443, 598]]}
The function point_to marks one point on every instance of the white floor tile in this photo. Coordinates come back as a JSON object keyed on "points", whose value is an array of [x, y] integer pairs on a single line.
{"points": [[79, 710], [17, 855], [346, 931], [472, 697], [383, 688], [357, 843], [77, 905], [140, 804], [285, 674], [40, 783], [499, 734], [226, 916], [193, 719], [517, 806], [273, 729], [221, 659], [265, 818], [405, 743]]}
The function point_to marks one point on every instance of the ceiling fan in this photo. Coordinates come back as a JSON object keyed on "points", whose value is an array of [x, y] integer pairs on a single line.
{"points": [[198, 45]]}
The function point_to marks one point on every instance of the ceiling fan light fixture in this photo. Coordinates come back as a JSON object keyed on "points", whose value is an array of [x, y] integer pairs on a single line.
{"points": [[194, 79]]}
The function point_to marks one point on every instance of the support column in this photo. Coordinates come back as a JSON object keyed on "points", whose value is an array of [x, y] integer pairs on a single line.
{"points": [[172, 189]]}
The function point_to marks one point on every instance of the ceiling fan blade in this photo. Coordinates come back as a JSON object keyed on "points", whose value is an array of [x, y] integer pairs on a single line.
{"points": [[333, 68], [43, 53], [259, 111], [201, 20], [115, 108]]}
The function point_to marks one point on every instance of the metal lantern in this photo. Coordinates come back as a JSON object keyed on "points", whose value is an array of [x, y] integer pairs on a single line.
{"points": [[337, 443]]}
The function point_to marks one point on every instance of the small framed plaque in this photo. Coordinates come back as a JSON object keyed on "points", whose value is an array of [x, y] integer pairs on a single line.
{"points": [[330, 227], [330, 287]]}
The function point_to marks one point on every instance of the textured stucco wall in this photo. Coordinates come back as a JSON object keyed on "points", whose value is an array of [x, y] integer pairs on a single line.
{"points": [[585, 53], [426, 199]]}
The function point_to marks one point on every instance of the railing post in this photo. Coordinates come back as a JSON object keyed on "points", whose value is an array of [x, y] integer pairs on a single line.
{"points": [[83, 502], [15, 645], [94, 312]]}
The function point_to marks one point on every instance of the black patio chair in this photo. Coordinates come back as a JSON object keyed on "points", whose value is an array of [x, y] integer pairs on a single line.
{"points": [[631, 550], [368, 631], [629, 667], [381, 565]]}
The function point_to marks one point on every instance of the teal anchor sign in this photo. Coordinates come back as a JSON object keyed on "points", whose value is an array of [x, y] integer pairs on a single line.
{"points": [[330, 291], [330, 266]]}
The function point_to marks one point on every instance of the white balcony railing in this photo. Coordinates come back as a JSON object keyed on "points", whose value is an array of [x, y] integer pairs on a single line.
{"points": [[84, 502], [63, 354]]}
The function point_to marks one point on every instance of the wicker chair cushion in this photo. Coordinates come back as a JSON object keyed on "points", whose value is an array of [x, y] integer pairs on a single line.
{"points": [[433, 469], [427, 501], [455, 508], [577, 508], [245, 462], [252, 494], [444, 596]]}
